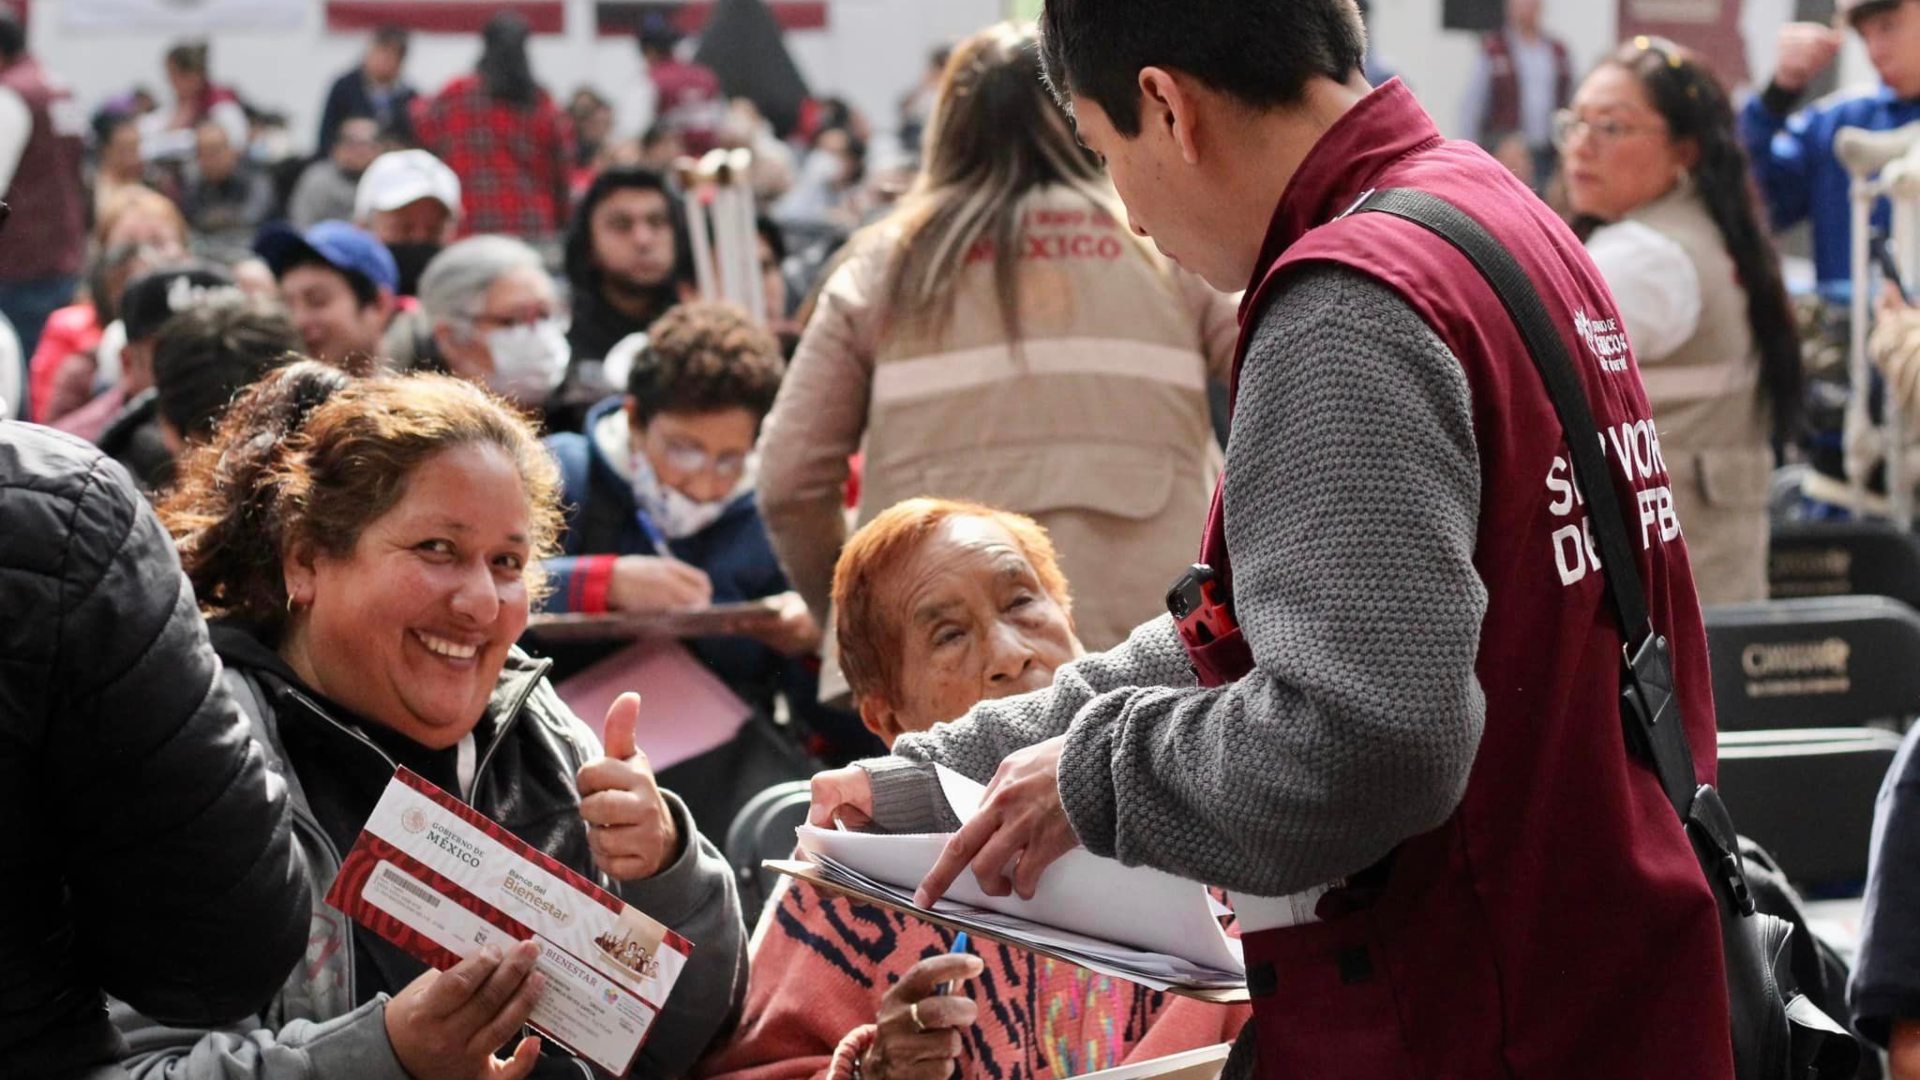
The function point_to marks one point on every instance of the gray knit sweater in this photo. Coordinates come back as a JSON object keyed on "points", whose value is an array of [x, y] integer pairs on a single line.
{"points": [[1352, 503]]}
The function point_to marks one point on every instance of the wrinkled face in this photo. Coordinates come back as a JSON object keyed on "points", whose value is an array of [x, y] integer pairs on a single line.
{"points": [[412, 629], [700, 455], [357, 146], [633, 237], [214, 152], [1619, 155], [973, 623], [332, 323], [1165, 202], [422, 221], [520, 297], [1892, 37]]}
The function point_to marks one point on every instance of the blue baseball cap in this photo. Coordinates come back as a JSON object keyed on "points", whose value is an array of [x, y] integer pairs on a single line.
{"points": [[344, 247]]}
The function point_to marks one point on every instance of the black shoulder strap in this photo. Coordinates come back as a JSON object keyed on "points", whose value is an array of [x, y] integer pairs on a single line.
{"points": [[1653, 715]]}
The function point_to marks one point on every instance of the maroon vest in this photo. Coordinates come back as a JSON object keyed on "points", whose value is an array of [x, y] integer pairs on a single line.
{"points": [[1503, 89], [1557, 925], [47, 234]]}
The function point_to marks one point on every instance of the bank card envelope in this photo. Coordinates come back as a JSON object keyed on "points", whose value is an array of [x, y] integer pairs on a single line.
{"points": [[440, 880]]}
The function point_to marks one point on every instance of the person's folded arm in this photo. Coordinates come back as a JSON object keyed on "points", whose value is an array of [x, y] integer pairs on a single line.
{"points": [[1352, 506]]}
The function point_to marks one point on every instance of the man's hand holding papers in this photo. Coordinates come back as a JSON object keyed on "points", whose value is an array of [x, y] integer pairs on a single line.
{"points": [[1021, 826]]}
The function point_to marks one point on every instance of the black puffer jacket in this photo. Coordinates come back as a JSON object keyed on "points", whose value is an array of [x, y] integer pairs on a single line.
{"points": [[144, 847]]}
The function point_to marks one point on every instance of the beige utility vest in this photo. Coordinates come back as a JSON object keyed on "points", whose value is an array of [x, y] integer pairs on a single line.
{"points": [[1096, 423], [1714, 426]]}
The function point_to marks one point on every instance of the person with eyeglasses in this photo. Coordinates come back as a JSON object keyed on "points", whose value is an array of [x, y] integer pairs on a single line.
{"points": [[489, 314], [663, 508], [1658, 184]]}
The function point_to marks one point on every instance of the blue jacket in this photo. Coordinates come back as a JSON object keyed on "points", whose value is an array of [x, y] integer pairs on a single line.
{"points": [[1799, 176], [603, 519]]}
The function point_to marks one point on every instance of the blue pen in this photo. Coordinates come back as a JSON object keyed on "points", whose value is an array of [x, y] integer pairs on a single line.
{"points": [[654, 536], [959, 946]]}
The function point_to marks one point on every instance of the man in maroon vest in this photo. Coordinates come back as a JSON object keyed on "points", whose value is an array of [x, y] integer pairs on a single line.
{"points": [[1524, 77], [1412, 776], [41, 152]]}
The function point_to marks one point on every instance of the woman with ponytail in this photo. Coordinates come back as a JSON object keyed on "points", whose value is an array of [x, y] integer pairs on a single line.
{"points": [[1661, 192], [1003, 337], [502, 134], [367, 550]]}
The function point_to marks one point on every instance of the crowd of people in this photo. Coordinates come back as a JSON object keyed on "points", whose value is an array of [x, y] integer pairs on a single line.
{"points": [[312, 440]]}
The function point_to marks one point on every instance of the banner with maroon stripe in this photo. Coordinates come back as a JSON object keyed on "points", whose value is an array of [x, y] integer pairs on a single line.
{"points": [[613, 17], [1708, 27], [443, 16]]}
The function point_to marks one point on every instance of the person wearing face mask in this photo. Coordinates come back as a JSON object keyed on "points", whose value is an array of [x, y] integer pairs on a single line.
{"points": [[939, 605], [491, 316], [410, 201], [663, 512]]}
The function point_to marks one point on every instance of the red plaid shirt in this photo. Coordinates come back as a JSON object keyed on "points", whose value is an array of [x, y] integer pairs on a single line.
{"points": [[511, 159]]}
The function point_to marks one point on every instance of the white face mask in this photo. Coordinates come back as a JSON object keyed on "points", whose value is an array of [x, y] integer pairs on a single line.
{"points": [[529, 360], [677, 514]]}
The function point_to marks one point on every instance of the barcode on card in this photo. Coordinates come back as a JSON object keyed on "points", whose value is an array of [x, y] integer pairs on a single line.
{"points": [[424, 894]]}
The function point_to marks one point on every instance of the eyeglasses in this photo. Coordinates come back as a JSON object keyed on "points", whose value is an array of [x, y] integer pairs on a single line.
{"points": [[486, 321], [686, 457], [1567, 125]]}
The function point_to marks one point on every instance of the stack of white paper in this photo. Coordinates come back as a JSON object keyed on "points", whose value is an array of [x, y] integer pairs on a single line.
{"points": [[1130, 922]]}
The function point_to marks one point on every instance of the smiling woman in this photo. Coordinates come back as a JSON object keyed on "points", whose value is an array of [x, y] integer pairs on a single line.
{"points": [[368, 550]]}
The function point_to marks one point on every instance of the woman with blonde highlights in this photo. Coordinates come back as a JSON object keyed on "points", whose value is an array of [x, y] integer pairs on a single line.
{"points": [[368, 552], [1004, 337]]}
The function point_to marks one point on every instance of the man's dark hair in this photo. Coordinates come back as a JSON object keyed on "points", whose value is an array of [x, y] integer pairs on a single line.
{"points": [[1263, 53], [365, 292], [107, 121], [190, 57], [703, 358], [204, 356], [13, 36], [583, 274], [656, 33], [392, 37], [505, 71]]}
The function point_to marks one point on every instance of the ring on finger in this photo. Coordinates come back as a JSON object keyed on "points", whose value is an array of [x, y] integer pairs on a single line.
{"points": [[913, 1011]]}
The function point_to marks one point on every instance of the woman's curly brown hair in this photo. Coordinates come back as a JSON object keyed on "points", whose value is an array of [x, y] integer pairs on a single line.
{"points": [[702, 358], [311, 456]]}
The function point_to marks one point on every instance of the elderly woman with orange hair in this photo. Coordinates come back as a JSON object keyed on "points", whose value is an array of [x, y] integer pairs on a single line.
{"points": [[939, 605]]}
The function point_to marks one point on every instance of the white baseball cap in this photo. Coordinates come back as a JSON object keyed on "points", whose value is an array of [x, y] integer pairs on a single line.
{"points": [[400, 177]]}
